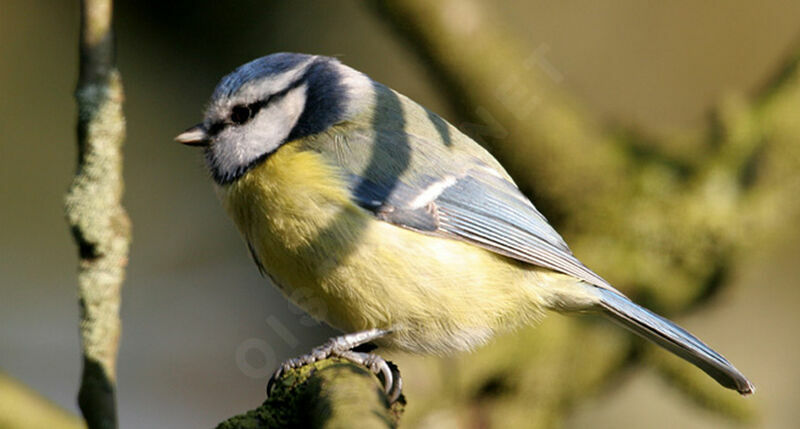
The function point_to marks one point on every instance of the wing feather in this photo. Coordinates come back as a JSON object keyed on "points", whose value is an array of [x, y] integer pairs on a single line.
{"points": [[478, 207], [512, 230], [403, 175]]}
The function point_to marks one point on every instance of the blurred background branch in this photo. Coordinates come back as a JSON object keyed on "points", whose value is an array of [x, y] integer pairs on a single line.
{"points": [[21, 407], [97, 220], [661, 218]]}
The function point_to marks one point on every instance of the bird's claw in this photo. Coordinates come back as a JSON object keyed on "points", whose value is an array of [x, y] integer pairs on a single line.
{"points": [[342, 347], [392, 383]]}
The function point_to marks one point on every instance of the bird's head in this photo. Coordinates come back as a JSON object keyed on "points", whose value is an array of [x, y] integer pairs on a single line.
{"points": [[268, 102]]}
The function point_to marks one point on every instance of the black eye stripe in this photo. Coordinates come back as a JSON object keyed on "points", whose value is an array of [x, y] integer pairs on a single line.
{"points": [[251, 109], [216, 128]]}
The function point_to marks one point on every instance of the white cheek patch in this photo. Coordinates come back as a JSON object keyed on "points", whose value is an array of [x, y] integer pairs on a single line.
{"points": [[236, 147]]}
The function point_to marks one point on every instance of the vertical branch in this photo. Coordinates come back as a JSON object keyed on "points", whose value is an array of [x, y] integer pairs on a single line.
{"points": [[95, 214]]}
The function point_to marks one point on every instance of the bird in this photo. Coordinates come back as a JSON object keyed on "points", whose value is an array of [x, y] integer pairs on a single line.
{"points": [[380, 218]]}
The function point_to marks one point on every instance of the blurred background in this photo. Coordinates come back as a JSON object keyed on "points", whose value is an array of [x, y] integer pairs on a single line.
{"points": [[201, 329]]}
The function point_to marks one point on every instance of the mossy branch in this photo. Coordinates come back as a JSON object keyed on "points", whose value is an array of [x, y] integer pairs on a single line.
{"points": [[95, 214], [328, 394]]}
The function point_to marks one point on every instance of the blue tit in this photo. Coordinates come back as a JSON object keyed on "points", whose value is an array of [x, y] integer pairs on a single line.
{"points": [[410, 234]]}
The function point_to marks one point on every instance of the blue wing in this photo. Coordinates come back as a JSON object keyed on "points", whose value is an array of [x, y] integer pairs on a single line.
{"points": [[477, 205], [409, 167]]}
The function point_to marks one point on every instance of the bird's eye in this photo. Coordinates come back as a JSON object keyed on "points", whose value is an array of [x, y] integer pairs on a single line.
{"points": [[240, 114]]}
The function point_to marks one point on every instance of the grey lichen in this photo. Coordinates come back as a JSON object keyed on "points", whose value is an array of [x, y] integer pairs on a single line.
{"points": [[94, 211]]}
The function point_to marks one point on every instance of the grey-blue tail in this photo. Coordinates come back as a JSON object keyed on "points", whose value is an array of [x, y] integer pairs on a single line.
{"points": [[673, 338]]}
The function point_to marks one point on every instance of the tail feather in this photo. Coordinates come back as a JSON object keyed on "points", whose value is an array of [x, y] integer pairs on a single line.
{"points": [[673, 338]]}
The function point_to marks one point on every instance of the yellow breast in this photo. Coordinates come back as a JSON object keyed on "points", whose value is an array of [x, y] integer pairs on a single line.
{"points": [[339, 263]]}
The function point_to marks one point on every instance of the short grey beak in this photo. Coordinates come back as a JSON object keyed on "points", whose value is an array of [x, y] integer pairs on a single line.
{"points": [[195, 136]]}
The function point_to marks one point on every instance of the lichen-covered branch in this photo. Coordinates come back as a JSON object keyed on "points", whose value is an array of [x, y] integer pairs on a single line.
{"points": [[95, 214], [662, 219], [325, 395]]}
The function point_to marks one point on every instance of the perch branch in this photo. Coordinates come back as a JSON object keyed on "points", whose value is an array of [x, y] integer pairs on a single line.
{"points": [[327, 394]]}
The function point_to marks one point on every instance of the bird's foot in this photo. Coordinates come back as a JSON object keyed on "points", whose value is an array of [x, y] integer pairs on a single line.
{"points": [[342, 347]]}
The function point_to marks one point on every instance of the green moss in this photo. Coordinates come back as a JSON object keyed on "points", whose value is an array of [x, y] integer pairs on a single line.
{"points": [[327, 394]]}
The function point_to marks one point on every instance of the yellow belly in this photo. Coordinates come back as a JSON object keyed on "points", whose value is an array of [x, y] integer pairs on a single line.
{"points": [[343, 266]]}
